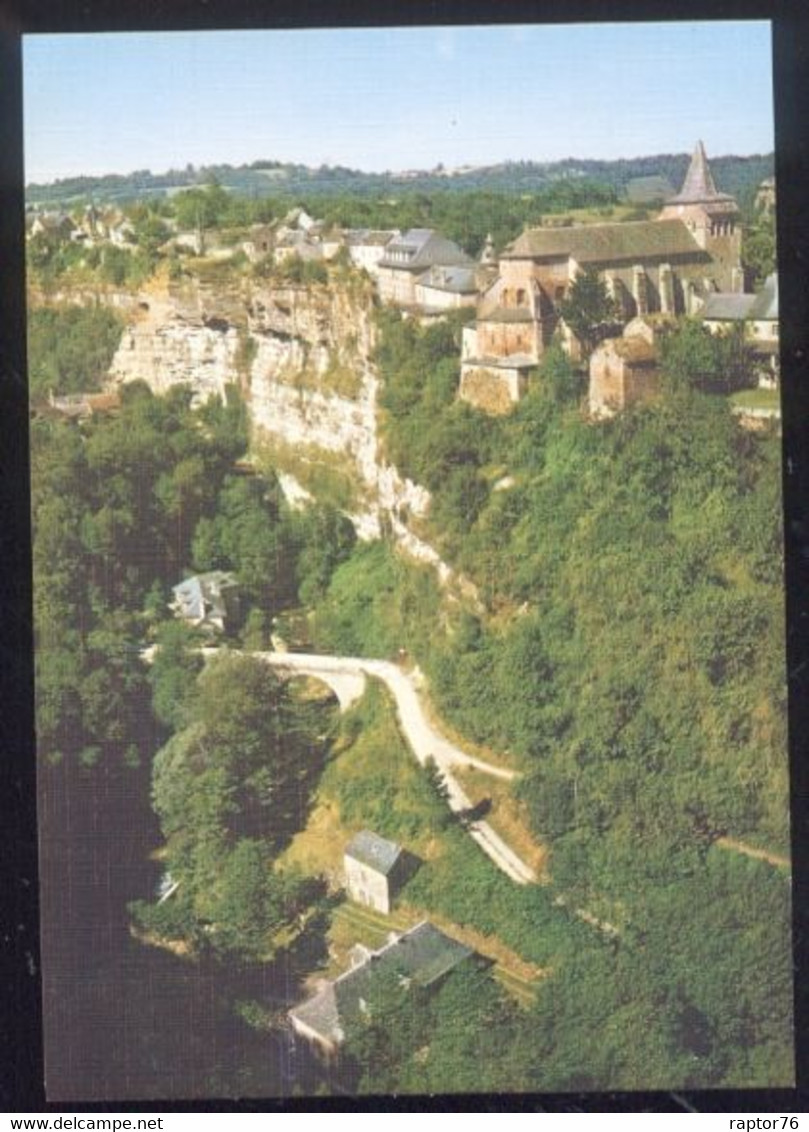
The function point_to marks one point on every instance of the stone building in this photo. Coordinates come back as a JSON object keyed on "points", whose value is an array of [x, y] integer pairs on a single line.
{"points": [[210, 601], [408, 256], [625, 371], [373, 870], [446, 288], [665, 265], [366, 246], [757, 315], [423, 956]]}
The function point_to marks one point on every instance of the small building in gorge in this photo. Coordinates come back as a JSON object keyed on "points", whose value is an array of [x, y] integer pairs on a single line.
{"points": [[374, 869]]}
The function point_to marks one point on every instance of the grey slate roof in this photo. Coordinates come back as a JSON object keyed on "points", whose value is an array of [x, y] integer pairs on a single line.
{"points": [[733, 307], [202, 595], [366, 237], [460, 280], [632, 242], [423, 955], [420, 248], [370, 849], [699, 188], [727, 306]]}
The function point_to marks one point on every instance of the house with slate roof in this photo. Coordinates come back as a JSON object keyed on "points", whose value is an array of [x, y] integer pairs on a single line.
{"points": [[666, 265], [366, 246], [758, 315], [407, 257], [446, 288], [374, 868], [210, 601], [421, 957]]}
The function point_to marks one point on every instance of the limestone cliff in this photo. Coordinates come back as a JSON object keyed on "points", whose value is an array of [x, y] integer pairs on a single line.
{"points": [[301, 357]]}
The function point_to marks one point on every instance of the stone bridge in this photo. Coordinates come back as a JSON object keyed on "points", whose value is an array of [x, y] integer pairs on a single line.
{"points": [[347, 685]]}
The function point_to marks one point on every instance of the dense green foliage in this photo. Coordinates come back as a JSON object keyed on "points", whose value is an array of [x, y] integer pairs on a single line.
{"points": [[50, 260], [123, 506], [263, 179], [686, 995], [626, 651], [693, 358], [114, 507], [633, 644], [70, 349], [230, 789], [758, 250]]}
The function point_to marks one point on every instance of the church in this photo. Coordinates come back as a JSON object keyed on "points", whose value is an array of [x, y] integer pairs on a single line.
{"points": [[668, 265]]}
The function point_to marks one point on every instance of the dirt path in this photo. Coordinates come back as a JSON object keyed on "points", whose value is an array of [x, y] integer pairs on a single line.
{"points": [[756, 854]]}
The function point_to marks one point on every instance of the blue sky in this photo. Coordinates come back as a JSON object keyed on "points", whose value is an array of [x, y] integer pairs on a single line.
{"points": [[394, 98]]}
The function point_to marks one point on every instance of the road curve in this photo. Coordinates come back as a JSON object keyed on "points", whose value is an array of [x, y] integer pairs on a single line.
{"points": [[424, 739]]}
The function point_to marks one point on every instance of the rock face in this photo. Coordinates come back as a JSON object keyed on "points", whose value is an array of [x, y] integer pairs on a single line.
{"points": [[301, 357]]}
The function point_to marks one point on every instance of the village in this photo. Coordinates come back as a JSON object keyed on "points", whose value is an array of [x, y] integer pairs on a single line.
{"points": [[644, 278], [686, 262]]}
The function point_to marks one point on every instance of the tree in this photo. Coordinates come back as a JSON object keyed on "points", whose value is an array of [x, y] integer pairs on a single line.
{"points": [[588, 310], [173, 674], [758, 251], [254, 903], [327, 538], [694, 358]]}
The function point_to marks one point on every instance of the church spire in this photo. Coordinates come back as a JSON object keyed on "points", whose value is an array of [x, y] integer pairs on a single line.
{"points": [[698, 186]]}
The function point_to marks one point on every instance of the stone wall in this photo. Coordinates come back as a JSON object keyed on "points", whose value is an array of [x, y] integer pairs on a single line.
{"points": [[492, 390]]}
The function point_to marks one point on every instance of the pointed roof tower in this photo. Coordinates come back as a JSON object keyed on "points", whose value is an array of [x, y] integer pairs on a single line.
{"points": [[698, 184], [699, 188]]}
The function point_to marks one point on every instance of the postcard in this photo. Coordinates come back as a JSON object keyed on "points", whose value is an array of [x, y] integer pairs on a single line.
{"points": [[408, 561]]}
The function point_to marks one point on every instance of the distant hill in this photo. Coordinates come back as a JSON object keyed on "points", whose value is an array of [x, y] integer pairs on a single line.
{"points": [[733, 174]]}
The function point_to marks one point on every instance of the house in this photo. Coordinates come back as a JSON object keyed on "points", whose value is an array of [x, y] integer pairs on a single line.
{"points": [[423, 957], [625, 371], [446, 288], [758, 315], [408, 256], [374, 867], [366, 246], [56, 225], [211, 601], [667, 265]]}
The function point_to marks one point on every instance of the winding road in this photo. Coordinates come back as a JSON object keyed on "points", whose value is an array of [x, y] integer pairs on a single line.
{"points": [[346, 675]]}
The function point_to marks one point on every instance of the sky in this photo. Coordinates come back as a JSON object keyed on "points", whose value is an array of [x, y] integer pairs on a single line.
{"points": [[393, 98]]}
